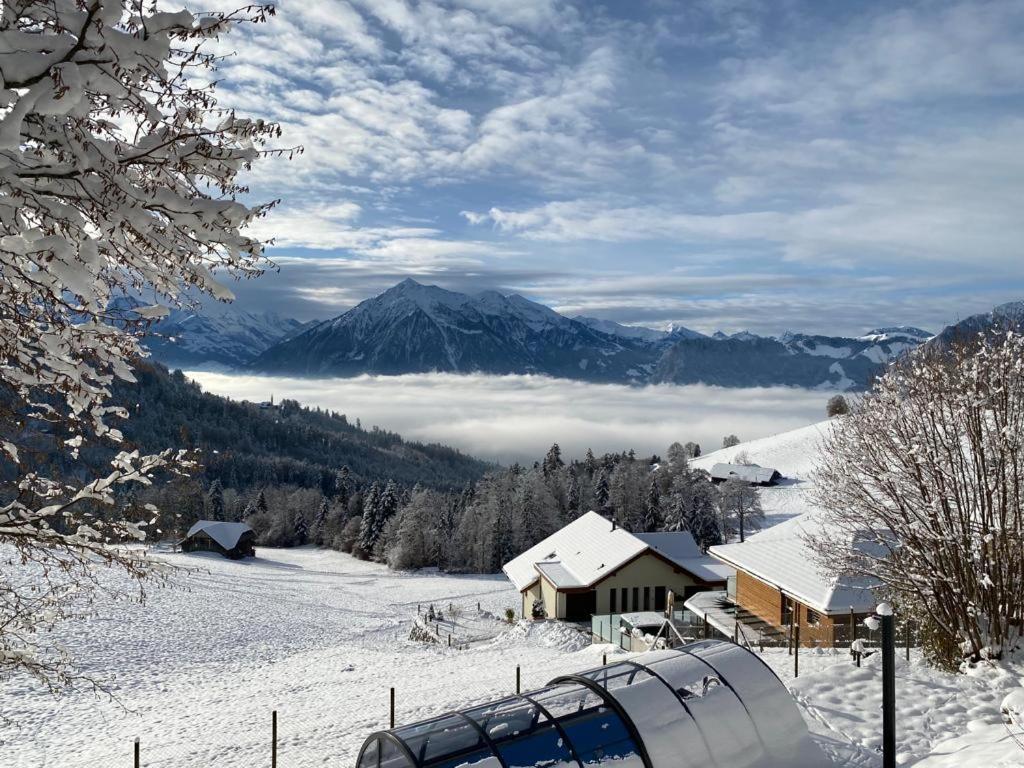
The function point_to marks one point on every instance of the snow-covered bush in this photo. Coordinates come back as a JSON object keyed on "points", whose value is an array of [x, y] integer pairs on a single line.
{"points": [[117, 179], [923, 483]]}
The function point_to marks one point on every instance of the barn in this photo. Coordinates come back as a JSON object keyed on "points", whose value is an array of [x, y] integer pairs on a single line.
{"points": [[751, 473], [592, 566], [233, 540]]}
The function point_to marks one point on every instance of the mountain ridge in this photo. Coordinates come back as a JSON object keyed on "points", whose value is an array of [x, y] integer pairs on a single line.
{"points": [[416, 328]]}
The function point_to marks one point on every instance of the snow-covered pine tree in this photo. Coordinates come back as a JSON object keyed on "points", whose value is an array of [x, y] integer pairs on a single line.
{"points": [[575, 499], [370, 527], [301, 529], [590, 464], [119, 177], [652, 506], [343, 487], [316, 531], [260, 505], [552, 461], [387, 507], [215, 501], [601, 491]]}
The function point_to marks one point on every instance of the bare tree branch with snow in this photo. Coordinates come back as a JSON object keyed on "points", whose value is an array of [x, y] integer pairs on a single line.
{"points": [[925, 477], [118, 176]]}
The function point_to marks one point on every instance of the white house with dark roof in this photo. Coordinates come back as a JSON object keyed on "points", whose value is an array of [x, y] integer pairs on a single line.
{"points": [[591, 566]]}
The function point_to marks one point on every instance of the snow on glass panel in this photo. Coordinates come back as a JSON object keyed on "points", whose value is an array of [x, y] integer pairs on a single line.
{"points": [[506, 718], [542, 747], [594, 730], [441, 738]]}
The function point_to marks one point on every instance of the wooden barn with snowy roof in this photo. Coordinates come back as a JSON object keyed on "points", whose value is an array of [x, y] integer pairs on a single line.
{"points": [[779, 583], [592, 566], [233, 540]]}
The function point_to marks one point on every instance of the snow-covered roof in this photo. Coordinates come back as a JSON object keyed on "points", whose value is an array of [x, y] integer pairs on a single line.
{"points": [[558, 574], [589, 548], [782, 557], [225, 534], [644, 618], [752, 473]]}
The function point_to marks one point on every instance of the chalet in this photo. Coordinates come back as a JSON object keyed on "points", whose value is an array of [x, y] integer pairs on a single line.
{"points": [[779, 584], [233, 540], [592, 566], [752, 473]]}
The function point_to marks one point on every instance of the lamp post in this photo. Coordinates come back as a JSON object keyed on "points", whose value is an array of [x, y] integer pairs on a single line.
{"points": [[884, 618]]}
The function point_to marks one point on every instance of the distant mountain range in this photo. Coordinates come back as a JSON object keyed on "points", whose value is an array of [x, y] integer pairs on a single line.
{"points": [[416, 328]]}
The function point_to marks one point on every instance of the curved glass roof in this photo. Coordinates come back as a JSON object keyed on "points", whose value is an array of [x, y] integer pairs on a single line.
{"points": [[706, 704]]}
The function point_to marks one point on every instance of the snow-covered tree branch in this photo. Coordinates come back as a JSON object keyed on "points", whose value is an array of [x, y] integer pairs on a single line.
{"points": [[924, 486], [118, 177]]}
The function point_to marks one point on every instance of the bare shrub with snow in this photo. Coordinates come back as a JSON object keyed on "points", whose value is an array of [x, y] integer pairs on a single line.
{"points": [[926, 477], [117, 176]]}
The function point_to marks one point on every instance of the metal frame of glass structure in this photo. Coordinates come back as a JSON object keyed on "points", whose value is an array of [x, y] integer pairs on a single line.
{"points": [[711, 703]]}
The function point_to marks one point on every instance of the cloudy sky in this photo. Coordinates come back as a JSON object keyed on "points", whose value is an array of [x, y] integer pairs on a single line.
{"points": [[821, 166]]}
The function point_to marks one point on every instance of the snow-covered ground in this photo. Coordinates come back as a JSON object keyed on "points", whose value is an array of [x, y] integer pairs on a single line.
{"points": [[792, 453], [321, 637]]}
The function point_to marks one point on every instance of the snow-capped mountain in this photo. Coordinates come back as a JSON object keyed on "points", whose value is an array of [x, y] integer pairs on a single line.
{"points": [[414, 328], [226, 338], [1004, 317], [638, 331], [745, 359]]}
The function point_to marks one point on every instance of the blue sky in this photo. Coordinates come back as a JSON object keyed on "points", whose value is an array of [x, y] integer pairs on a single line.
{"points": [[819, 166]]}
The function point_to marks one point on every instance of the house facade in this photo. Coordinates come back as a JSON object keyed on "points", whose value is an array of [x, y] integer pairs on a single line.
{"points": [[780, 585], [591, 566]]}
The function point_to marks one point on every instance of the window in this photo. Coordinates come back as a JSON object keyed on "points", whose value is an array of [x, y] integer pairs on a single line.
{"points": [[786, 616], [659, 598], [625, 605], [647, 598], [813, 618], [611, 600], [636, 598]]}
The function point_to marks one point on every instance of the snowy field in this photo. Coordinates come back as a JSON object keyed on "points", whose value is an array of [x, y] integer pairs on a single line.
{"points": [[321, 637]]}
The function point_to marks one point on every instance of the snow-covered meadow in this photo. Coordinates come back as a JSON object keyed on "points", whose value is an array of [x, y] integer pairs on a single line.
{"points": [[321, 637]]}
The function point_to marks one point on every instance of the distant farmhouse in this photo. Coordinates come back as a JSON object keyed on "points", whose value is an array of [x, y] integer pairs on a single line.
{"points": [[233, 540], [779, 584], [592, 566], [752, 473]]}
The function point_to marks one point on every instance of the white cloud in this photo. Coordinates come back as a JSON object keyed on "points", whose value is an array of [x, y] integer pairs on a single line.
{"points": [[509, 418]]}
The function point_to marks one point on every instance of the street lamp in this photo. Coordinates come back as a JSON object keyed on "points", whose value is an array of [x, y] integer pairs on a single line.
{"points": [[884, 618]]}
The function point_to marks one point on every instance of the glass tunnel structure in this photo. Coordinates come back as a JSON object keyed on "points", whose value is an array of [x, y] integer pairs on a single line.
{"points": [[710, 704]]}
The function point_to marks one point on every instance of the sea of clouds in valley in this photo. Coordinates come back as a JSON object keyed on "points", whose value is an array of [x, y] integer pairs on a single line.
{"points": [[509, 418]]}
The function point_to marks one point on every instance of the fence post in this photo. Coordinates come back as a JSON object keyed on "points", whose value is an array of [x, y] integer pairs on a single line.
{"points": [[138, 762], [392, 707], [518, 680], [760, 639], [449, 639], [796, 650], [273, 739], [604, 659]]}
